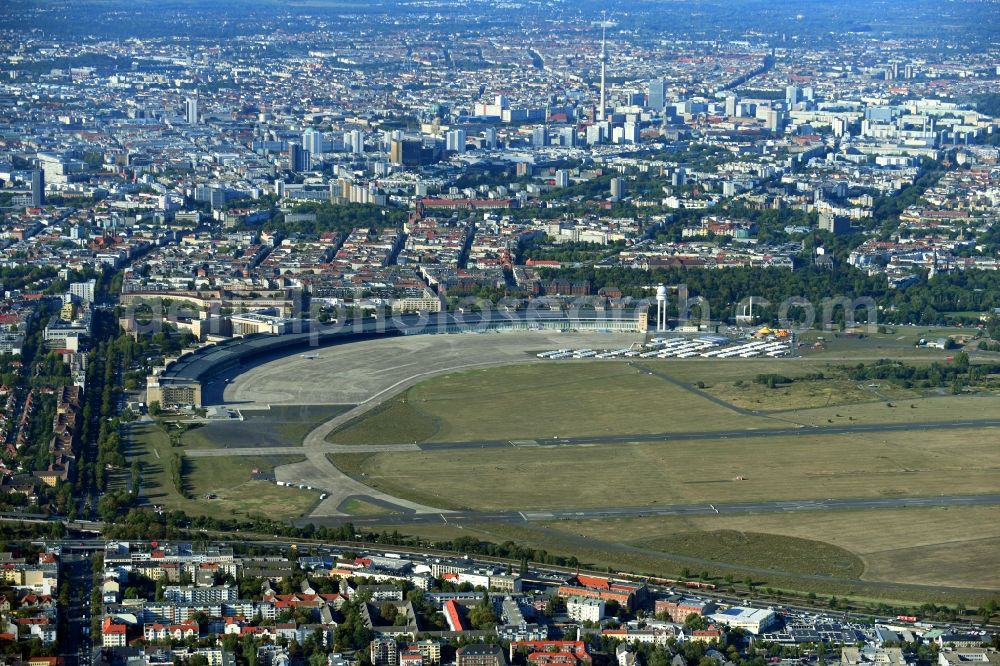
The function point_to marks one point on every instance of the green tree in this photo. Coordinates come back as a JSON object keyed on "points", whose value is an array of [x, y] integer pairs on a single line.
{"points": [[388, 611], [483, 616], [694, 621]]}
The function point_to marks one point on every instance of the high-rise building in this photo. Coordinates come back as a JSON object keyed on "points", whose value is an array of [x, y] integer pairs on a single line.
{"points": [[595, 134], [217, 198], [567, 136], [298, 158], [562, 178], [312, 141], [839, 126], [539, 137], [354, 142], [83, 291], [490, 138], [835, 224], [191, 110], [631, 132], [37, 188], [732, 103], [792, 95], [357, 142], [617, 189], [405, 152], [775, 120], [656, 98], [455, 141]]}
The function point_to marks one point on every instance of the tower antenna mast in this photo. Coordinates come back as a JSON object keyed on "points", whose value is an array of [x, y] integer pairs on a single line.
{"points": [[604, 66]]}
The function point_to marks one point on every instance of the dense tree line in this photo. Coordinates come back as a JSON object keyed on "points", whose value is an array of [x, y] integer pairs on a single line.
{"points": [[25, 276], [545, 249], [958, 373], [922, 303], [338, 217], [887, 208], [177, 470], [989, 104], [143, 523]]}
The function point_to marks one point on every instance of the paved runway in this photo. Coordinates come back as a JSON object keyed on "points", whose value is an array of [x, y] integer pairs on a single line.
{"points": [[365, 374], [807, 431], [460, 517], [804, 431]]}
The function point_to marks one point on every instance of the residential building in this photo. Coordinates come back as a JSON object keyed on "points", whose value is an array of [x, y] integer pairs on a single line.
{"points": [[677, 608], [868, 655], [112, 633], [969, 656], [480, 655], [83, 291], [585, 609], [384, 652]]}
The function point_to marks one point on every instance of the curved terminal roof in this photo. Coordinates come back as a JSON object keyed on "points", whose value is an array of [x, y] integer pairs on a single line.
{"points": [[203, 363]]}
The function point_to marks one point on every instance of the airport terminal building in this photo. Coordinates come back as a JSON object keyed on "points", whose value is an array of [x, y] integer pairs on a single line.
{"points": [[179, 383]]}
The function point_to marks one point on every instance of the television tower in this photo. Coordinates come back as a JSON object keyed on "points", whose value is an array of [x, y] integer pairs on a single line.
{"points": [[604, 67]]}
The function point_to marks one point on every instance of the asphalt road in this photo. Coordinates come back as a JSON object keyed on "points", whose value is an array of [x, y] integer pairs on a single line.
{"points": [[74, 646], [526, 516]]}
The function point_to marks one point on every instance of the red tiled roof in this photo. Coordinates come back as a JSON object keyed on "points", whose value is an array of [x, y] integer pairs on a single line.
{"points": [[451, 609], [593, 582], [110, 627]]}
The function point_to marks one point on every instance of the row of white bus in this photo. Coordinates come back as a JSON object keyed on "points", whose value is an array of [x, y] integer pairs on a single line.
{"points": [[680, 347], [774, 349], [581, 353], [705, 347]]}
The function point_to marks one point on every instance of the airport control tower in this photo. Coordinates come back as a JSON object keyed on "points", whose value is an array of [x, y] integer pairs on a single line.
{"points": [[661, 309]]}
